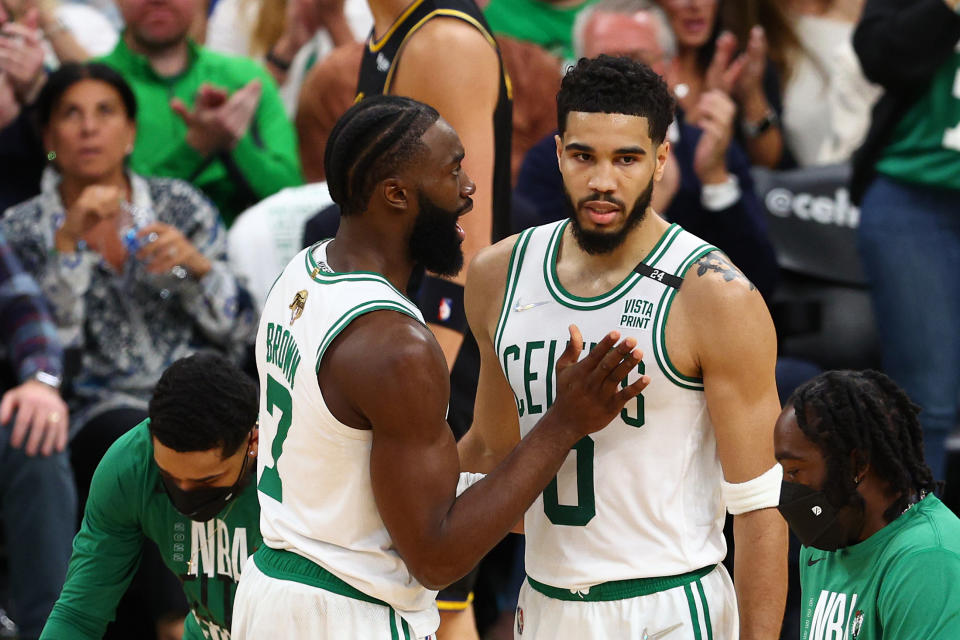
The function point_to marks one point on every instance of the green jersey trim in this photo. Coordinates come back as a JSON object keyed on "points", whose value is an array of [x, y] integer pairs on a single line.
{"points": [[513, 279], [325, 277], [286, 565], [353, 314], [622, 589], [567, 299], [706, 609], [692, 600], [394, 633], [660, 327]]}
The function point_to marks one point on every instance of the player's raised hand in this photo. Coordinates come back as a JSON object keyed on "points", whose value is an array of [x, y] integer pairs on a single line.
{"points": [[588, 392]]}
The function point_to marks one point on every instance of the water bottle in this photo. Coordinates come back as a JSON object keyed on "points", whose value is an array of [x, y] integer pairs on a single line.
{"points": [[131, 220]]}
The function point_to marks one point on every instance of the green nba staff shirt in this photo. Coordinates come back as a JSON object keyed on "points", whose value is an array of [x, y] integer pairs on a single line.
{"points": [[127, 505], [900, 583]]}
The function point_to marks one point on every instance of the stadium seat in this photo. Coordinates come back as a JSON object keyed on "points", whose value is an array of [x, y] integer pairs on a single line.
{"points": [[822, 307]]}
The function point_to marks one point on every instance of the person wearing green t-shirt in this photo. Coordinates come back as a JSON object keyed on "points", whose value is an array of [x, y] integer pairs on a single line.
{"points": [[214, 120], [546, 23], [906, 179], [181, 479], [881, 554]]}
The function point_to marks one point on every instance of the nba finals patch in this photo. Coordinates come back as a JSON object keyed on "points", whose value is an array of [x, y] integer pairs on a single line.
{"points": [[296, 307]]}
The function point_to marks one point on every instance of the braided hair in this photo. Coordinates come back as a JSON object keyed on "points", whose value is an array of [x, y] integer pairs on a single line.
{"points": [[864, 411], [371, 141]]}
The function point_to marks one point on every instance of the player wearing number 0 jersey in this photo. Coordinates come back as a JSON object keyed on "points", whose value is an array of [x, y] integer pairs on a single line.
{"points": [[364, 511], [627, 539]]}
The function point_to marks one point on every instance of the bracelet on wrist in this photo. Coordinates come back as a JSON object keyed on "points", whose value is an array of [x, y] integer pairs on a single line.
{"points": [[761, 126], [278, 62]]}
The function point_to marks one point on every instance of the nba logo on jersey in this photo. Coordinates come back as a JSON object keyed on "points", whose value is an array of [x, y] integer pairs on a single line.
{"points": [[445, 309], [519, 620]]}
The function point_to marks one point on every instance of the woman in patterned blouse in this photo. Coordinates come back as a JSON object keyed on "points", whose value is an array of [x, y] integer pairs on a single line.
{"points": [[131, 304]]}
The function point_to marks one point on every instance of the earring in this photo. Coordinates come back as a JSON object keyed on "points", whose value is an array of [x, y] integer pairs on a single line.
{"points": [[51, 156]]}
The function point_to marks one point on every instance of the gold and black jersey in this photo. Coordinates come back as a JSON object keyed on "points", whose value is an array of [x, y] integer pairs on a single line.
{"points": [[377, 69]]}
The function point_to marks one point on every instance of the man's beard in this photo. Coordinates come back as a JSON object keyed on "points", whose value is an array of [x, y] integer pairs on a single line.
{"points": [[601, 242], [434, 241], [153, 45]]}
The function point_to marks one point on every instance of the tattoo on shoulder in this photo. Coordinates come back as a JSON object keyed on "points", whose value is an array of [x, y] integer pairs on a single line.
{"points": [[719, 263]]}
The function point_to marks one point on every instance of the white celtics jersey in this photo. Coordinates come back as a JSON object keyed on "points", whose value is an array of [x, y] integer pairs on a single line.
{"points": [[313, 472], [640, 498]]}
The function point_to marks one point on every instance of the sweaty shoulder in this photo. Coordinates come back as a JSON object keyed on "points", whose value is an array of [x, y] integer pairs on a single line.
{"points": [[486, 283], [381, 360], [714, 281], [718, 310]]}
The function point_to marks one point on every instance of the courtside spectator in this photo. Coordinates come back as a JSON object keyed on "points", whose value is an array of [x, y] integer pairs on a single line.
{"points": [[545, 23], [290, 36], [131, 310], [826, 98], [907, 174], [214, 120], [707, 59], [39, 500]]}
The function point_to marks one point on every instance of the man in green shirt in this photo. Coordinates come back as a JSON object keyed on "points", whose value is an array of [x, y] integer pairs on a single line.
{"points": [[546, 23], [181, 479], [214, 120], [881, 554]]}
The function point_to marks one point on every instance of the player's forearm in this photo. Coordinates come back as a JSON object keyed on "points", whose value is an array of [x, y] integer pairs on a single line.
{"points": [[487, 511], [760, 573], [475, 455]]}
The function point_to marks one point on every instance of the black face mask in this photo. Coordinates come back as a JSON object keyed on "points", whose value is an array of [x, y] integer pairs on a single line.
{"points": [[203, 504], [812, 517]]}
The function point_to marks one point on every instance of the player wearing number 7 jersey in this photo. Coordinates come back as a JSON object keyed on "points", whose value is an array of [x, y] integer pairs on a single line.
{"points": [[362, 513], [626, 541]]}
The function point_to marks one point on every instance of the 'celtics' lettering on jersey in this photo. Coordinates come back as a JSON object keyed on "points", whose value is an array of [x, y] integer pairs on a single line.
{"points": [[653, 474], [535, 363], [282, 351]]}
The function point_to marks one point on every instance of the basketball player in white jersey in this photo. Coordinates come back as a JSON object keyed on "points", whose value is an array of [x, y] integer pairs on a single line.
{"points": [[359, 480], [626, 541]]}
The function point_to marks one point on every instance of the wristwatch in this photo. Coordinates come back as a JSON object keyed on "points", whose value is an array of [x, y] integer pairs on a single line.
{"points": [[50, 379], [757, 129]]}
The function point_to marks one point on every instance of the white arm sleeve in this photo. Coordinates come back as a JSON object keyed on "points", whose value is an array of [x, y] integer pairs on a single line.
{"points": [[758, 493], [467, 480]]}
